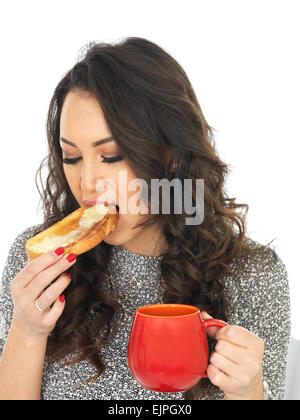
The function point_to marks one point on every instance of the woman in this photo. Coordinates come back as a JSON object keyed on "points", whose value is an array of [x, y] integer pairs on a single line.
{"points": [[73, 345]]}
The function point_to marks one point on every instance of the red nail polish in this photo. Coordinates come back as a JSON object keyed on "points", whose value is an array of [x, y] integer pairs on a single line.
{"points": [[68, 274], [59, 250], [71, 257], [62, 298]]}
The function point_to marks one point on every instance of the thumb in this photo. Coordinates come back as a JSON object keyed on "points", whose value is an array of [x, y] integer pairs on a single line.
{"points": [[211, 331]]}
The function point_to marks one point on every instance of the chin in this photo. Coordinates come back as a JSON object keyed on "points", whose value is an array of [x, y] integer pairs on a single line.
{"points": [[113, 238], [118, 238], [110, 242]]}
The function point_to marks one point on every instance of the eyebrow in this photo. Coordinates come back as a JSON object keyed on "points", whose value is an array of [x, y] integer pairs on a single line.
{"points": [[94, 144]]}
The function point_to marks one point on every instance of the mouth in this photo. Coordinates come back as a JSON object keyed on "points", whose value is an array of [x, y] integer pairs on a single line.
{"points": [[90, 203]]}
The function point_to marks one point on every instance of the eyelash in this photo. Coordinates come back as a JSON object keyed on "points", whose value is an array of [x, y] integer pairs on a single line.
{"points": [[73, 161]]}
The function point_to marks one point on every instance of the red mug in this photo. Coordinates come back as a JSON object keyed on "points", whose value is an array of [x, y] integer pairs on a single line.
{"points": [[167, 347]]}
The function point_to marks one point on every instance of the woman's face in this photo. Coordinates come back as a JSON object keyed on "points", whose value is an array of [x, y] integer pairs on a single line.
{"points": [[82, 123]]}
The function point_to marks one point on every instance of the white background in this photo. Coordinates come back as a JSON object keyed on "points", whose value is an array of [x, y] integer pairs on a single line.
{"points": [[242, 58]]}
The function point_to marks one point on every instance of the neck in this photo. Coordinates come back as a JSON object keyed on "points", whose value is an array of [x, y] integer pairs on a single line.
{"points": [[147, 245]]}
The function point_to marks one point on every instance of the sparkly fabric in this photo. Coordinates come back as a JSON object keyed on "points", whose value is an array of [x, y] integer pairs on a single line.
{"points": [[259, 301]]}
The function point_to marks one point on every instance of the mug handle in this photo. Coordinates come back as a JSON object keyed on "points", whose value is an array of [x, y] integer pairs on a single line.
{"points": [[213, 323]]}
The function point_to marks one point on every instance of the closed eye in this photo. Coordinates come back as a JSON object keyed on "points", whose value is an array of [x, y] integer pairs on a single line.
{"points": [[70, 161], [73, 161], [111, 159]]}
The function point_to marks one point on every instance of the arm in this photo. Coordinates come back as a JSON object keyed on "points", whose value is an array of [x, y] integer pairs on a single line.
{"points": [[19, 354], [267, 315], [21, 366], [24, 329], [274, 327], [250, 357]]}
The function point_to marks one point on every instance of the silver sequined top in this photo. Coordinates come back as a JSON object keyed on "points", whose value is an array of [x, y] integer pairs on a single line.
{"points": [[259, 302]]}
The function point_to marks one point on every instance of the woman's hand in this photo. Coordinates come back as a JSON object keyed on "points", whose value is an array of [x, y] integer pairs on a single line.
{"points": [[34, 282], [236, 364]]}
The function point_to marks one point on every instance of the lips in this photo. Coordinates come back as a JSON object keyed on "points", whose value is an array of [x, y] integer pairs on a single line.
{"points": [[94, 202]]}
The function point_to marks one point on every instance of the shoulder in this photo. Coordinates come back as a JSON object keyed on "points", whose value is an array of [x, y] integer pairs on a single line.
{"points": [[260, 276], [257, 262], [17, 256], [18, 244]]}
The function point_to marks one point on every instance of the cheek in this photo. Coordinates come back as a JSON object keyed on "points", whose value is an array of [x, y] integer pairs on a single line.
{"points": [[124, 231], [128, 220], [73, 180]]}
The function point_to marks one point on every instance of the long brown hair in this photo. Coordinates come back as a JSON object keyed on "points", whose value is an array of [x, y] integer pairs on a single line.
{"points": [[151, 109]]}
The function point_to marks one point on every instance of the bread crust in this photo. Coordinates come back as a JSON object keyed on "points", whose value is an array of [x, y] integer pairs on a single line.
{"points": [[86, 240]]}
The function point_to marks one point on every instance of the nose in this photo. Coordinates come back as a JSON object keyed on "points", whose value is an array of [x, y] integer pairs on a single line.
{"points": [[89, 179]]}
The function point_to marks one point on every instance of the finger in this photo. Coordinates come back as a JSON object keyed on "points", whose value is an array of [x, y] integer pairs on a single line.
{"points": [[225, 365], [50, 295], [34, 267], [237, 335], [45, 277], [51, 316], [205, 315], [217, 377], [231, 351], [211, 331]]}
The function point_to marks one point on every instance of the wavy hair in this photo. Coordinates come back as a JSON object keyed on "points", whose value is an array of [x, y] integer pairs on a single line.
{"points": [[152, 112]]}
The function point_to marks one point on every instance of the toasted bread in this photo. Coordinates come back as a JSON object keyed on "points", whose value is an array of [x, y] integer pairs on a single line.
{"points": [[77, 233]]}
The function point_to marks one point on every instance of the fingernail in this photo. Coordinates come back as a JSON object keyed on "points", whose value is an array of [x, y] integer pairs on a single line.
{"points": [[71, 257], [59, 250], [68, 274], [62, 298]]}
